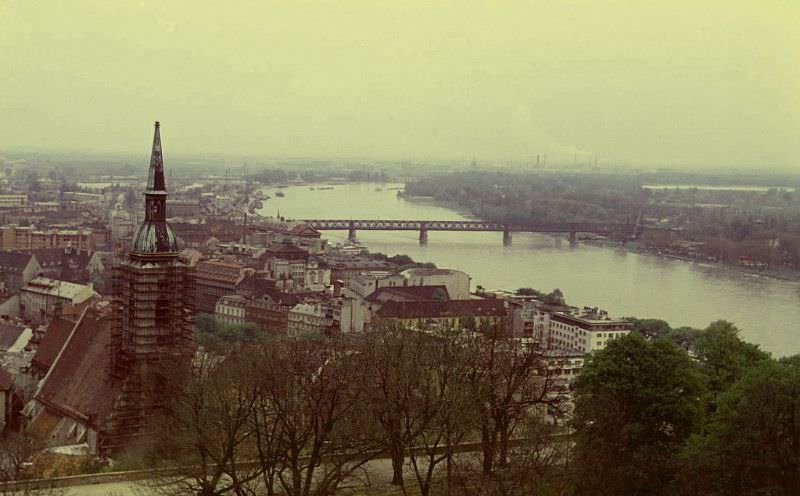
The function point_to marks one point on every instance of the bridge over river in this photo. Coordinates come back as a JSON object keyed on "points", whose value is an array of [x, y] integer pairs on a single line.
{"points": [[619, 231]]}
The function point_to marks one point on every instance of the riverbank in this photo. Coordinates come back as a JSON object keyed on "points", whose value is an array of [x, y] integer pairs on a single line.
{"points": [[633, 247], [622, 281], [788, 275]]}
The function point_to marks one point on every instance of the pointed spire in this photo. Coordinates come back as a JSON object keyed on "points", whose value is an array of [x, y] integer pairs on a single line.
{"points": [[155, 179]]}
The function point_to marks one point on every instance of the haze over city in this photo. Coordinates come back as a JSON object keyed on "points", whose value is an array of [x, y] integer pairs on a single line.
{"points": [[661, 83]]}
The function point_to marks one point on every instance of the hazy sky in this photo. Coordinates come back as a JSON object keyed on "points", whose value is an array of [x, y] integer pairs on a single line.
{"points": [[654, 82]]}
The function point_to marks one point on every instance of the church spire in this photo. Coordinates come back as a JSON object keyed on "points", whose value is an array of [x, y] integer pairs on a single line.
{"points": [[155, 235], [155, 179]]}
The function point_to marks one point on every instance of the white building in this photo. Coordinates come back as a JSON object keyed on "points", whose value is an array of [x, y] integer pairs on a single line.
{"points": [[584, 331], [299, 274], [230, 309], [307, 318], [456, 282], [42, 296], [13, 201], [364, 284]]}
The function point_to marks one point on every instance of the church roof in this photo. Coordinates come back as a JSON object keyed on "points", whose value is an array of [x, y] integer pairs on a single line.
{"points": [[154, 237], [78, 384]]}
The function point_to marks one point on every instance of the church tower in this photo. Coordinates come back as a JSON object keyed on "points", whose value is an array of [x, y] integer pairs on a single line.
{"points": [[152, 332]]}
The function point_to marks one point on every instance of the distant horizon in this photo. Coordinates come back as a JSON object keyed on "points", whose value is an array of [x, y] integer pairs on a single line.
{"points": [[707, 84], [237, 160]]}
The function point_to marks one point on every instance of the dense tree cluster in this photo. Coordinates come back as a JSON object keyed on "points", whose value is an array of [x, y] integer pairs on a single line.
{"points": [[530, 198], [651, 419], [402, 261]]}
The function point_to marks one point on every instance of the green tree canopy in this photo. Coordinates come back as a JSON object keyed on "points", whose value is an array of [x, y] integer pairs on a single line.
{"points": [[752, 443], [636, 402], [724, 357]]}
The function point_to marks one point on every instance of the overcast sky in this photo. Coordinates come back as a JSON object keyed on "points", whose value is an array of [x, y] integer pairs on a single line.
{"points": [[658, 82]]}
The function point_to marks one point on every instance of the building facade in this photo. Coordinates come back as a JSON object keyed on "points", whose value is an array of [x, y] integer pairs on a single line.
{"points": [[584, 331], [230, 309], [29, 238], [42, 298]]}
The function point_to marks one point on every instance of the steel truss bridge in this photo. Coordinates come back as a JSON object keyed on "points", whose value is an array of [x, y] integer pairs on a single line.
{"points": [[615, 230]]}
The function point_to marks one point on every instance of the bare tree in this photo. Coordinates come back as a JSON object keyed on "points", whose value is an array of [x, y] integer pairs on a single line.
{"points": [[311, 434], [443, 405], [206, 433], [391, 364], [515, 385], [538, 464]]}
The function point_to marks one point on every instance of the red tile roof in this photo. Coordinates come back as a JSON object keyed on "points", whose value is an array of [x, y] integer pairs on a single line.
{"points": [[53, 340], [409, 293], [79, 384], [432, 309], [9, 333], [6, 380]]}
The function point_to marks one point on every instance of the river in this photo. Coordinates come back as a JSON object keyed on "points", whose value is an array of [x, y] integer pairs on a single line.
{"points": [[624, 283]]}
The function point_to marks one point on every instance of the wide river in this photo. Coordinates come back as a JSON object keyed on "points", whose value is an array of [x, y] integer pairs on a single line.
{"points": [[624, 283]]}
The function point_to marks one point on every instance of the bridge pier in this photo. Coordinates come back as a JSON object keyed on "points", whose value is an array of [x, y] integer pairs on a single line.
{"points": [[507, 236], [573, 238], [423, 235], [351, 233]]}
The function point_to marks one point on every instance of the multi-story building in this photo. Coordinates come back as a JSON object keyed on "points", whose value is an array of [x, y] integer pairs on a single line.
{"points": [[298, 233], [17, 269], [292, 268], [270, 312], [42, 297], [13, 201], [29, 237], [183, 208], [584, 331], [345, 267], [529, 318], [560, 368], [364, 284], [231, 309], [475, 314], [215, 279], [307, 318], [456, 281]]}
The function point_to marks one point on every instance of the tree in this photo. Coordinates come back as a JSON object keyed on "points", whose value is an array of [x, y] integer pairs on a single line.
{"points": [[513, 383], [15, 451], [207, 429], [724, 357], [278, 417], [636, 402], [538, 466], [392, 368], [752, 444], [443, 405], [312, 436], [649, 328], [418, 386]]}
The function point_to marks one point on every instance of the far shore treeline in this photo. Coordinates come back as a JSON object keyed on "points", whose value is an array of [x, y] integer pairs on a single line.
{"points": [[756, 228]]}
